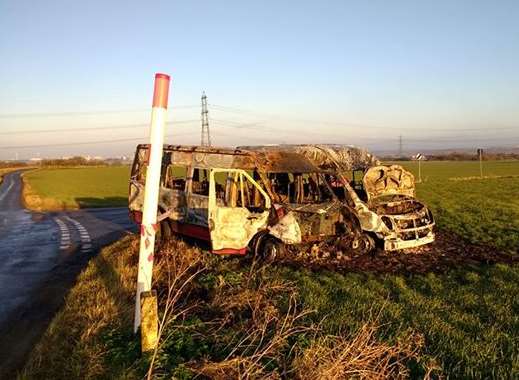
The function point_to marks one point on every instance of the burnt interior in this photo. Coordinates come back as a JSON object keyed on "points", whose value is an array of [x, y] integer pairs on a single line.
{"points": [[395, 205], [299, 188]]}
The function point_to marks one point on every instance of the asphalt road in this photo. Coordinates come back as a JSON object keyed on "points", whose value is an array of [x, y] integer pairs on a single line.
{"points": [[41, 255]]}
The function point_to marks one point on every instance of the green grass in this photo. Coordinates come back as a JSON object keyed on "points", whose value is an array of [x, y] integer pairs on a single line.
{"points": [[442, 170], [469, 317], [81, 187]]}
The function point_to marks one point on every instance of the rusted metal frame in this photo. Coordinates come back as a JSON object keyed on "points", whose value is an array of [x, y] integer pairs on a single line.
{"points": [[395, 203], [314, 238], [413, 229], [407, 217], [266, 182], [238, 172], [197, 149], [242, 193]]}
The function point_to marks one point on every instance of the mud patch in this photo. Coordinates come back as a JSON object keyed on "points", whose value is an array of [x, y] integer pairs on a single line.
{"points": [[447, 252]]}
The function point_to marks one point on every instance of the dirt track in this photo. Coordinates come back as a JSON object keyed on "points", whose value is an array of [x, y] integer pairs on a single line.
{"points": [[448, 251]]}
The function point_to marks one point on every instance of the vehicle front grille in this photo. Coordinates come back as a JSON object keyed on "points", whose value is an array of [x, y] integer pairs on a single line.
{"points": [[414, 226]]}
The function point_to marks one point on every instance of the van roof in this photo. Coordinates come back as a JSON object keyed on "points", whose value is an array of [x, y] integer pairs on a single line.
{"points": [[265, 160], [326, 156]]}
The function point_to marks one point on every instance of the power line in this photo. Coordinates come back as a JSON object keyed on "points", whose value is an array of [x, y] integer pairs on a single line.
{"points": [[81, 113], [90, 142], [82, 129], [237, 110], [292, 131]]}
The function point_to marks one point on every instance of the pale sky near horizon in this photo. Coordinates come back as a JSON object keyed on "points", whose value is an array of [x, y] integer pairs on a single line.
{"points": [[443, 74]]}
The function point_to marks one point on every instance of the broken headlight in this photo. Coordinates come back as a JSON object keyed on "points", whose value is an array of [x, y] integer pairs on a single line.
{"points": [[388, 222]]}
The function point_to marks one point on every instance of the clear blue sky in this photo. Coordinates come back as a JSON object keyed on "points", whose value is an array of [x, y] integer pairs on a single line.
{"points": [[440, 73]]}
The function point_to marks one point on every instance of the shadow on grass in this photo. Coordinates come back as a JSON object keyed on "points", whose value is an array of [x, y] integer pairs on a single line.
{"points": [[88, 202]]}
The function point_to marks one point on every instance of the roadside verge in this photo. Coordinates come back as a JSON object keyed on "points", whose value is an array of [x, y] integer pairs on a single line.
{"points": [[35, 202], [219, 319]]}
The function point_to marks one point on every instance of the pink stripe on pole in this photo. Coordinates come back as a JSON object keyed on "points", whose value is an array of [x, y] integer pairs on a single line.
{"points": [[161, 91]]}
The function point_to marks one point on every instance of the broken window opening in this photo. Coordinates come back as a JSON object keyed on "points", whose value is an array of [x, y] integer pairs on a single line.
{"points": [[300, 188], [176, 177], [200, 182], [357, 184], [336, 185], [239, 191]]}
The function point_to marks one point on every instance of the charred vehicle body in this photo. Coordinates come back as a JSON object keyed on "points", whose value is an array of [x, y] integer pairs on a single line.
{"points": [[382, 197], [264, 202]]}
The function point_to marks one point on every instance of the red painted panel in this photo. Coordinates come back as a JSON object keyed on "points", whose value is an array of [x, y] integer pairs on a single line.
{"points": [[191, 230], [231, 251]]}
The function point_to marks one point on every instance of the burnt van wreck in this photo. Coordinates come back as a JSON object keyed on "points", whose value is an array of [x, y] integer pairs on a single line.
{"points": [[383, 198], [284, 200]]}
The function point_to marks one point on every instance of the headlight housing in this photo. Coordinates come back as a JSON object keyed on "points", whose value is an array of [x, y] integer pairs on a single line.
{"points": [[388, 222]]}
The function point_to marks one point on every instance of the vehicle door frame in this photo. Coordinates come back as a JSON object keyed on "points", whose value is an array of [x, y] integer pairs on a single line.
{"points": [[247, 218]]}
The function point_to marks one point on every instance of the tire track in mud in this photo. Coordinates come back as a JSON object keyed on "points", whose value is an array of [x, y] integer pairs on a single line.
{"points": [[447, 252]]}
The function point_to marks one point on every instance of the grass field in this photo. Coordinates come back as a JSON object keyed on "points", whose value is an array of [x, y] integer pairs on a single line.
{"points": [[480, 210], [51, 189], [463, 323]]}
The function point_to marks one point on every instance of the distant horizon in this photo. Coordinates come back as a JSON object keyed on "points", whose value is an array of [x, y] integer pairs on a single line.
{"points": [[378, 152], [443, 75]]}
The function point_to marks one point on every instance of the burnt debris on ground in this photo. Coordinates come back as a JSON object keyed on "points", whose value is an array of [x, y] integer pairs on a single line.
{"points": [[448, 251]]}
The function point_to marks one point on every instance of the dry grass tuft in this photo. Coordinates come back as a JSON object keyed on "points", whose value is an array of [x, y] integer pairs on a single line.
{"points": [[261, 349], [362, 356], [177, 268], [261, 343]]}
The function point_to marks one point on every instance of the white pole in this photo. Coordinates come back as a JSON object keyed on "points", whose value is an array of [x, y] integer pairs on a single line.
{"points": [[151, 191], [419, 170]]}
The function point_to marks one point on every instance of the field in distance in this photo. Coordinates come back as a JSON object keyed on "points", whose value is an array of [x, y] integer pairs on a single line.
{"points": [[60, 188]]}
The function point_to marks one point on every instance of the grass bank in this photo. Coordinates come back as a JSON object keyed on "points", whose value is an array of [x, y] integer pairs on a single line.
{"points": [[72, 188], [232, 319]]}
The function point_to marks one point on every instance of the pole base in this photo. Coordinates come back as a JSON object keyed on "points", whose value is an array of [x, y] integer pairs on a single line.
{"points": [[149, 321]]}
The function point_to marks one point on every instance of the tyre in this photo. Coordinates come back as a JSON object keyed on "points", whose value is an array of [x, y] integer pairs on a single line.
{"points": [[271, 249], [362, 244]]}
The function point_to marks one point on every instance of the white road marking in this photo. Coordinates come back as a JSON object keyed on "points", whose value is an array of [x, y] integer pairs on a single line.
{"points": [[65, 235], [7, 190], [86, 242]]}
